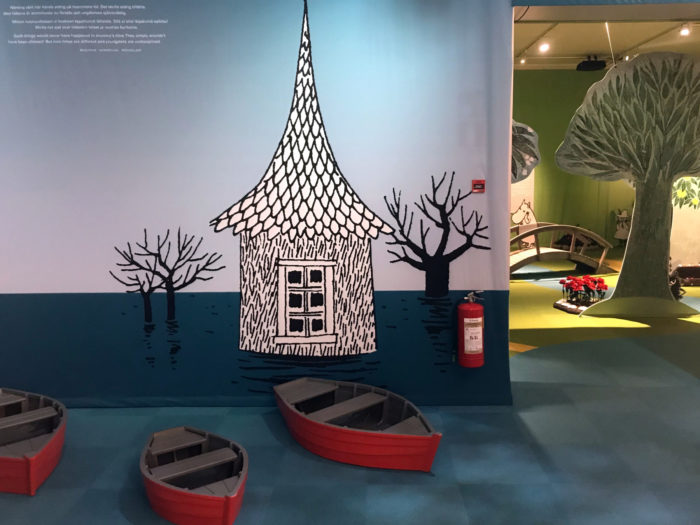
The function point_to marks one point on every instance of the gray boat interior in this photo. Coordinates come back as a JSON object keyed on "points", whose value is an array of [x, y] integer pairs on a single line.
{"points": [[24, 418], [353, 405], [195, 460]]}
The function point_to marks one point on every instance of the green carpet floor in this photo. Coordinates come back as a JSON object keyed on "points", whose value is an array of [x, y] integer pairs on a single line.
{"points": [[535, 323]]}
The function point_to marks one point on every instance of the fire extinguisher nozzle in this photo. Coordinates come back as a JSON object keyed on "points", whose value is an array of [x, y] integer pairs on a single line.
{"points": [[474, 296]]}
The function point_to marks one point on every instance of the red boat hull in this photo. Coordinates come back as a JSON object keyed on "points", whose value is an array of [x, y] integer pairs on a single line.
{"points": [[359, 447], [183, 508], [25, 475]]}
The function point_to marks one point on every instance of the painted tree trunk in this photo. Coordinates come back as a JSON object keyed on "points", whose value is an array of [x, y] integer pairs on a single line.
{"points": [[437, 278], [147, 308], [644, 270], [170, 299]]}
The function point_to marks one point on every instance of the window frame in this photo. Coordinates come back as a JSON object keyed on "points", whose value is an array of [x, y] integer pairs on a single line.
{"points": [[285, 313]]}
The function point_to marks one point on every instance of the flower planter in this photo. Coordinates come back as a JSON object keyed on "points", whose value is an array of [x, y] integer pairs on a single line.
{"points": [[580, 292], [569, 308]]}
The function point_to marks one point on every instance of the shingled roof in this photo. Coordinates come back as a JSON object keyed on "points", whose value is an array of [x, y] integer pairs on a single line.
{"points": [[303, 191]]}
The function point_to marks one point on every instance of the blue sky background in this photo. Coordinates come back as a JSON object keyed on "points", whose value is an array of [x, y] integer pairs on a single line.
{"points": [[95, 147]]}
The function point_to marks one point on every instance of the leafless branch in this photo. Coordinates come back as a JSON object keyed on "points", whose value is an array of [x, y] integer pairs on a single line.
{"points": [[404, 220], [437, 207], [175, 262], [404, 257], [137, 269], [475, 232]]}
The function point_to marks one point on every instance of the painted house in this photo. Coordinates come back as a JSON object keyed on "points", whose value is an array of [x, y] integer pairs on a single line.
{"points": [[306, 265]]}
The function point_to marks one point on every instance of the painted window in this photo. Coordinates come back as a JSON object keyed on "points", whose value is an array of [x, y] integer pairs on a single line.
{"points": [[305, 302]]}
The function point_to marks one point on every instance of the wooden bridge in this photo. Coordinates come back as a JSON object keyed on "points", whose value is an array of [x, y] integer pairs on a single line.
{"points": [[526, 253]]}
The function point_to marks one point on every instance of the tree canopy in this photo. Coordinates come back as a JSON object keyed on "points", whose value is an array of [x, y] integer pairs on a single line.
{"points": [[641, 122]]}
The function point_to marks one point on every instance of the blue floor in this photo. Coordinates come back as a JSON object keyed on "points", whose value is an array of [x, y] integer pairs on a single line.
{"points": [[602, 432]]}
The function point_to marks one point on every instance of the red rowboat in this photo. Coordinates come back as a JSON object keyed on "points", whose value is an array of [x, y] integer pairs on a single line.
{"points": [[357, 424], [32, 432], [193, 477]]}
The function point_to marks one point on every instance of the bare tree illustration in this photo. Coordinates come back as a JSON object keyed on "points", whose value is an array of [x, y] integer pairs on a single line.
{"points": [[171, 265], [180, 264], [641, 123], [138, 273], [429, 253]]}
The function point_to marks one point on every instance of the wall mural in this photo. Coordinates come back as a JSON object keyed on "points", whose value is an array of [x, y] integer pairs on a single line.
{"points": [[168, 264], [686, 192], [305, 242], [525, 156], [640, 123], [685, 249], [437, 208], [524, 215], [157, 305]]}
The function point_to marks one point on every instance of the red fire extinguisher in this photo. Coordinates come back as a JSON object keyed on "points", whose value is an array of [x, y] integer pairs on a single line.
{"points": [[470, 326]]}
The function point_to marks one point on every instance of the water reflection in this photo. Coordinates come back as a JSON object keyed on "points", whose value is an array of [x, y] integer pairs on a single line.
{"points": [[174, 341], [438, 324], [148, 329], [261, 371]]}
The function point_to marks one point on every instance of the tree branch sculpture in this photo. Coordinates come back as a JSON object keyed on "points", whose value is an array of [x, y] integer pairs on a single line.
{"points": [[641, 123], [437, 207]]}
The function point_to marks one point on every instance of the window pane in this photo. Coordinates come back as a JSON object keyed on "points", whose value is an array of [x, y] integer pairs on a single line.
{"points": [[294, 277], [296, 325], [295, 300], [316, 325], [316, 299], [316, 276]]}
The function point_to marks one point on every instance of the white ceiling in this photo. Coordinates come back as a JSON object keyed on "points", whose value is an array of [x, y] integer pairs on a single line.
{"points": [[575, 32]]}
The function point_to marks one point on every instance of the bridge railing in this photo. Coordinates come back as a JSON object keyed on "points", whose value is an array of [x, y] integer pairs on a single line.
{"points": [[587, 237]]}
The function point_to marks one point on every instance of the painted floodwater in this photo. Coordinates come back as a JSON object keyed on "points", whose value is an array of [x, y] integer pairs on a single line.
{"points": [[95, 350]]}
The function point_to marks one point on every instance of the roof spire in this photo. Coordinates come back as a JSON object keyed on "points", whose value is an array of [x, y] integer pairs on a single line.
{"points": [[303, 192], [305, 69]]}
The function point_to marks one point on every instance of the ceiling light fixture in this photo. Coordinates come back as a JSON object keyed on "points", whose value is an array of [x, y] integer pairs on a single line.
{"points": [[627, 57], [685, 30], [544, 47], [522, 60]]}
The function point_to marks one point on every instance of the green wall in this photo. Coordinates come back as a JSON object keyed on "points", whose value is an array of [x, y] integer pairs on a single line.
{"points": [[546, 101]]}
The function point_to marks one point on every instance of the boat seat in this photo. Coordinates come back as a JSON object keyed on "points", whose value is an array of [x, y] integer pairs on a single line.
{"points": [[10, 399], [305, 389], [412, 425], [167, 442], [347, 407], [193, 464], [218, 488], [24, 418], [25, 447]]}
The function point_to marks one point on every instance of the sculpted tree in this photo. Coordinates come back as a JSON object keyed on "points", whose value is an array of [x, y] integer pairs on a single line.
{"points": [[641, 123], [429, 253], [526, 154]]}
